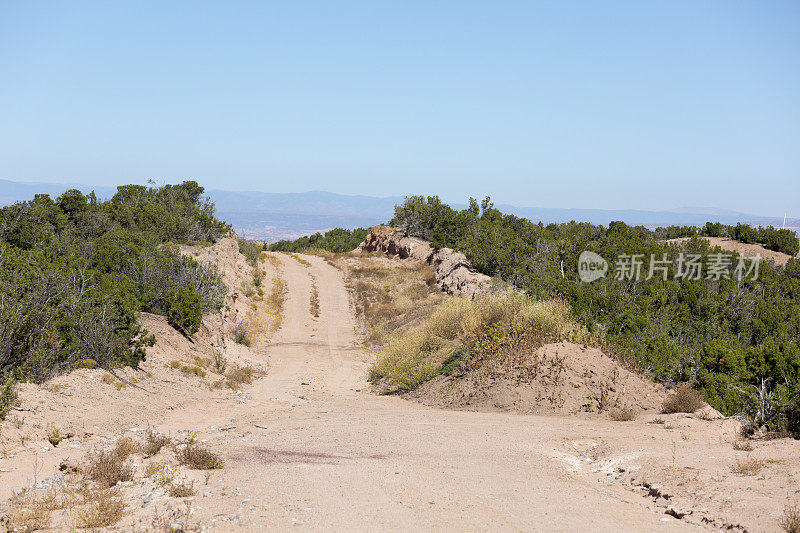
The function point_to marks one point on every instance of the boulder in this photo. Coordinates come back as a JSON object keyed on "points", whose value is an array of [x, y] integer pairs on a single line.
{"points": [[454, 273]]}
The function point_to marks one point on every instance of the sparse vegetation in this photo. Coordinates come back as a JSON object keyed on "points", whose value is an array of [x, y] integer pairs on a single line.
{"points": [[154, 442], [790, 522], [105, 508], [196, 456], [275, 302], [412, 295], [239, 376], [747, 467], [251, 250], [181, 489], [189, 370], [220, 363], [742, 445], [107, 469], [619, 414], [684, 399], [314, 302]]}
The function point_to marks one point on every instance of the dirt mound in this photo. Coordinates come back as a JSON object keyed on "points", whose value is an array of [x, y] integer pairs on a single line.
{"points": [[562, 378], [749, 250], [454, 273]]}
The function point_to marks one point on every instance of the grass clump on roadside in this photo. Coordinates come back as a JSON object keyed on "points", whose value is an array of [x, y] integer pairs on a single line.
{"points": [[314, 301], [790, 522], [275, 301], [196, 456], [107, 469], [154, 442], [240, 334], [105, 508], [747, 467], [497, 331], [189, 370], [685, 399], [387, 298], [618, 414], [181, 489]]}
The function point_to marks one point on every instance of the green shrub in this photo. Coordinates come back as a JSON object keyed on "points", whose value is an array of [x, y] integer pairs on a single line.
{"points": [[75, 272], [186, 310], [250, 249], [240, 335]]}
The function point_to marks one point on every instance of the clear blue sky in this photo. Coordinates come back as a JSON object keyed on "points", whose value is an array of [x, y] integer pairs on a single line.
{"points": [[567, 104]]}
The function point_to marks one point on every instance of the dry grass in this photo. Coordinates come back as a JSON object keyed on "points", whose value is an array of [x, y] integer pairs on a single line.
{"points": [[747, 467], [28, 514], [685, 399], [423, 351], [111, 467], [107, 469], [154, 442], [743, 445], [388, 296], [181, 490], [275, 302], [196, 456], [622, 415], [314, 302], [105, 508], [242, 375], [790, 522], [126, 447], [83, 505], [189, 370]]}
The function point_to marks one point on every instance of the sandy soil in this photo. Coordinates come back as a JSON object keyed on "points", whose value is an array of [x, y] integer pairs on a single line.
{"points": [[310, 447], [568, 379]]}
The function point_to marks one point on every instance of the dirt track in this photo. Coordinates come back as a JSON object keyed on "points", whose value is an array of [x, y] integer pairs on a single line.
{"points": [[310, 446], [325, 453]]}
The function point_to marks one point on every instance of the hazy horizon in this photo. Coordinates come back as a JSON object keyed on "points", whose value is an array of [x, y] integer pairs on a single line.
{"points": [[450, 200]]}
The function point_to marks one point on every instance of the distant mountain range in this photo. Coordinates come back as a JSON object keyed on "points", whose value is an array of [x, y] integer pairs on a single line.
{"points": [[274, 216]]}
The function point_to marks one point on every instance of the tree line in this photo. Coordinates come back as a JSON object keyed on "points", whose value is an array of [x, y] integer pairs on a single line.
{"points": [[778, 240], [336, 240]]}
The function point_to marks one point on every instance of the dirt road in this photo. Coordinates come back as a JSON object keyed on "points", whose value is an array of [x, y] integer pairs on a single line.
{"points": [[312, 448]]}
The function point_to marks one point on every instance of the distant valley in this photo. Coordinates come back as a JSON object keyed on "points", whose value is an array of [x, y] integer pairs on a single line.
{"points": [[275, 216]]}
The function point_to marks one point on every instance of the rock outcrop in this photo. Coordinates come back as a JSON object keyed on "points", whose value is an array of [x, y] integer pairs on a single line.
{"points": [[454, 272]]}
